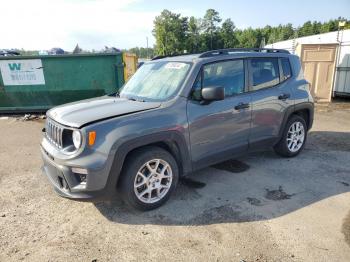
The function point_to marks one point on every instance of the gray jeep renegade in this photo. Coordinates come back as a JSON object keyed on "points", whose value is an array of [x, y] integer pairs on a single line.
{"points": [[174, 116]]}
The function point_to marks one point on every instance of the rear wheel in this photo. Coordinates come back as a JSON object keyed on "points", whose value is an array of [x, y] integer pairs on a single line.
{"points": [[149, 177], [293, 137]]}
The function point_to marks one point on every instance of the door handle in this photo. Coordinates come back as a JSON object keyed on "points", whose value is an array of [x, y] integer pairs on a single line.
{"points": [[242, 106], [283, 96]]}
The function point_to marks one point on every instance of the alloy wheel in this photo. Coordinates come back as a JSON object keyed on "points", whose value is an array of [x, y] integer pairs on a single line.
{"points": [[153, 181], [295, 136]]}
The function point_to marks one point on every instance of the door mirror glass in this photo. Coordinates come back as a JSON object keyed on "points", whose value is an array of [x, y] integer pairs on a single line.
{"points": [[213, 93]]}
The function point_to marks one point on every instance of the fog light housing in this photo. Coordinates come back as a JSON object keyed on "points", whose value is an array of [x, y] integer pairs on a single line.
{"points": [[82, 178], [80, 174]]}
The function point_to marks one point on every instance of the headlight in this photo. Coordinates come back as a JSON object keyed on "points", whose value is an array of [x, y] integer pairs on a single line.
{"points": [[76, 136]]}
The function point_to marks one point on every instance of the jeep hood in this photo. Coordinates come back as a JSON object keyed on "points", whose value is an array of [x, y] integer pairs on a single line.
{"points": [[81, 113]]}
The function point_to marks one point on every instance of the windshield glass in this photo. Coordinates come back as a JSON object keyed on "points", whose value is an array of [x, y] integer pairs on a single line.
{"points": [[155, 81]]}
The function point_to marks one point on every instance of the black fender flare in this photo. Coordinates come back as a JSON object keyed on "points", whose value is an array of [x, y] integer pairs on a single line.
{"points": [[293, 109], [173, 139]]}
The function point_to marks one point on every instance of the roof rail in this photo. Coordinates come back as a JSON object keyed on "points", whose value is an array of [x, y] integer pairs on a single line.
{"points": [[172, 55], [158, 57], [232, 50]]}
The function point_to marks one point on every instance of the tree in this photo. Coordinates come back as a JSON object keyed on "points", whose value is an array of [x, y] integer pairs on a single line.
{"points": [[210, 24], [249, 38], [175, 33], [169, 31], [193, 39], [287, 32], [227, 34], [306, 29]]}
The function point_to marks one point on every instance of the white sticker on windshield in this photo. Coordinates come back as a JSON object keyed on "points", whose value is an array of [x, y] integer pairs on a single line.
{"points": [[175, 65]]}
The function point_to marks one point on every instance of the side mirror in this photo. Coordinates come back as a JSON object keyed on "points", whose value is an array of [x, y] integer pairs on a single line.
{"points": [[213, 93]]}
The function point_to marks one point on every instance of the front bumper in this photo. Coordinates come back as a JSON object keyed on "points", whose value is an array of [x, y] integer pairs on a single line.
{"points": [[67, 185]]}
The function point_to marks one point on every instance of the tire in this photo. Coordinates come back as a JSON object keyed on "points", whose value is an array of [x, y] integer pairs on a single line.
{"points": [[145, 187], [291, 144]]}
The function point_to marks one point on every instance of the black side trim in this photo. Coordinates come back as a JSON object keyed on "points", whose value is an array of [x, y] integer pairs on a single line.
{"points": [[220, 157]]}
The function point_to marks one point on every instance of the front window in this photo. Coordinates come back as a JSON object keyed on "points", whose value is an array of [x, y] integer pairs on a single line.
{"points": [[227, 74], [156, 81]]}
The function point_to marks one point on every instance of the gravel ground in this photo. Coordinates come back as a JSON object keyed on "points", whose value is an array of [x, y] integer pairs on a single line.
{"points": [[257, 208]]}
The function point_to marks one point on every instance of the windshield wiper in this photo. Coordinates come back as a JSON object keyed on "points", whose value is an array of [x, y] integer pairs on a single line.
{"points": [[116, 94], [136, 99]]}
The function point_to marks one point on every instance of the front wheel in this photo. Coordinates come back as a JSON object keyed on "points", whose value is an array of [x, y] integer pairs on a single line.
{"points": [[293, 137], [149, 177]]}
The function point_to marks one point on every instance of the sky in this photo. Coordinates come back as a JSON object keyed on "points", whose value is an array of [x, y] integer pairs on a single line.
{"points": [[93, 24]]}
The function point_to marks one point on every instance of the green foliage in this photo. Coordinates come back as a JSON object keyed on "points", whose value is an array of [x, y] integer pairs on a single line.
{"points": [[210, 28], [176, 34], [249, 38], [193, 39], [170, 32], [227, 34]]}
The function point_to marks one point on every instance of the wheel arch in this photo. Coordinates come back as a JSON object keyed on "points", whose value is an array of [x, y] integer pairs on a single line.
{"points": [[305, 110], [171, 141]]}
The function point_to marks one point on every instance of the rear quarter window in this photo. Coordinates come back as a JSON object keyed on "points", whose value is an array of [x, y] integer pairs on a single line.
{"points": [[287, 72]]}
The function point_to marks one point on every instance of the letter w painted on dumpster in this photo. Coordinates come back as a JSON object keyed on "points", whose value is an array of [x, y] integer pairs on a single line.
{"points": [[15, 66]]}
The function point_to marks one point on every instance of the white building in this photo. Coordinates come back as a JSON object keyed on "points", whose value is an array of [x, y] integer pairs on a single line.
{"points": [[326, 62]]}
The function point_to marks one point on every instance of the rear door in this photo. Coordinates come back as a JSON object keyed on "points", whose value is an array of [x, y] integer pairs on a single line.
{"points": [[270, 91], [220, 128]]}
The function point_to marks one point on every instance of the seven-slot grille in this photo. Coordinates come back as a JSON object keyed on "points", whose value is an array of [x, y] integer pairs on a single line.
{"points": [[54, 133]]}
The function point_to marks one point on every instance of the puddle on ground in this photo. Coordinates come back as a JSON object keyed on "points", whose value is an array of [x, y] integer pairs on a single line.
{"points": [[189, 182], [223, 214], [277, 195], [254, 201], [234, 166], [343, 183], [327, 140]]}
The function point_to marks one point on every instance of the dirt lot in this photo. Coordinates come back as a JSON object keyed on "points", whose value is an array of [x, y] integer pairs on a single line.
{"points": [[267, 209]]}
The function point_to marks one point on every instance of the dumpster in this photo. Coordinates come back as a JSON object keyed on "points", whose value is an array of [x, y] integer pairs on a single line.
{"points": [[37, 83]]}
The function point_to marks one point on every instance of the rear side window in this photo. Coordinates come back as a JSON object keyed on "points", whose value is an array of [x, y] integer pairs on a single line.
{"points": [[287, 72], [228, 74], [264, 72]]}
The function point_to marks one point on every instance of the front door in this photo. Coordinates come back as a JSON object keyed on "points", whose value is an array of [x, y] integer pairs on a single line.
{"points": [[221, 128]]}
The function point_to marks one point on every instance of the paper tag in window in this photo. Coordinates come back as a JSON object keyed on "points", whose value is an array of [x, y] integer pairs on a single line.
{"points": [[174, 65]]}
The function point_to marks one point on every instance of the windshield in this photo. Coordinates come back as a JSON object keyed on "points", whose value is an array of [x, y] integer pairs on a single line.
{"points": [[155, 81]]}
